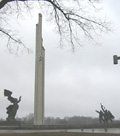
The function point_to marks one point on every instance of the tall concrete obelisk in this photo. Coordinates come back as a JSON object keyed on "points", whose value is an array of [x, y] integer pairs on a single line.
{"points": [[39, 76]]}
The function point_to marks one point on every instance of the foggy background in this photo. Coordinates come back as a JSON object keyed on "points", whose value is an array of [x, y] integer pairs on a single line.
{"points": [[75, 82]]}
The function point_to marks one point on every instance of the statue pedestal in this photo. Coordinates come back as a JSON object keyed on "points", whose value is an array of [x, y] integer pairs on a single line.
{"points": [[9, 124]]}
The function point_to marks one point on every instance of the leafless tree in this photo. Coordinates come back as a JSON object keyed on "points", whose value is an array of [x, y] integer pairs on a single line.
{"points": [[73, 18]]}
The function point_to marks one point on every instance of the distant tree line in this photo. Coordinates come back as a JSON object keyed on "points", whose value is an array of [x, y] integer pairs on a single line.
{"points": [[75, 120], [28, 120]]}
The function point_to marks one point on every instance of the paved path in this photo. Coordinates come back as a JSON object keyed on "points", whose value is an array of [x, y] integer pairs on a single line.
{"points": [[109, 131]]}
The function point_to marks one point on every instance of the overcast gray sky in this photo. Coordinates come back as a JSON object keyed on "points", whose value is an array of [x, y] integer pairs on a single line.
{"points": [[75, 83]]}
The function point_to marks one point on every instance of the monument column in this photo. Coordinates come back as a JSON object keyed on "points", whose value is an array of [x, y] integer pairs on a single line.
{"points": [[39, 76]]}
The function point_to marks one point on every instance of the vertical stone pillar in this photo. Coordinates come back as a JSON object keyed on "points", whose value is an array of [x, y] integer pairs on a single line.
{"points": [[39, 76]]}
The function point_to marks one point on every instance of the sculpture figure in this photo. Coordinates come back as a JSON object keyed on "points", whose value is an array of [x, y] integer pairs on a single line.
{"points": [[107, 114], [11, 109], [104, 115], [101, 116]]}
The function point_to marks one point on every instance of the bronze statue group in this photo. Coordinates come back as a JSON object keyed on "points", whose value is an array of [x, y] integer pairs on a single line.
{"points": [[105, 115]]}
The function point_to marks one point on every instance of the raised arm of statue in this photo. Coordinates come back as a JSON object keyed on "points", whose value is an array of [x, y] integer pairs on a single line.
{"points": [[97, 111], [19, 99], [102, 107]]}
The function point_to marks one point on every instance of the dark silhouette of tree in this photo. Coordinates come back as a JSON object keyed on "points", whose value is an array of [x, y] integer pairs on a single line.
{"points": [[73, 19]]}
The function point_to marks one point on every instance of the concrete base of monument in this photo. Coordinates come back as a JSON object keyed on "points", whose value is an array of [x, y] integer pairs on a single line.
{"points": [[54, 130], [9, 124], [62, 132]]}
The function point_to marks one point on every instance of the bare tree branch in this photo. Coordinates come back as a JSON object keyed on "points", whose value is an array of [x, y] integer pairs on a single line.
{"points": [[71, 18], [17, 42]]}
